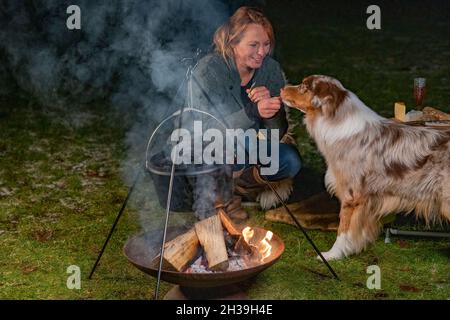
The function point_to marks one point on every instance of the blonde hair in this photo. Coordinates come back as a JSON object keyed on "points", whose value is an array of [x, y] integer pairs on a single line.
{"points": [[230, 33]]}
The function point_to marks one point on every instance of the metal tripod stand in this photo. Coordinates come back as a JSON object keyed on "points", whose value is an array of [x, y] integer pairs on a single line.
{"points": [[141, 169]]}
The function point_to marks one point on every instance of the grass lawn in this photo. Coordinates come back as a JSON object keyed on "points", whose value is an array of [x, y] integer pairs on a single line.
{"points": [[61, 185]]}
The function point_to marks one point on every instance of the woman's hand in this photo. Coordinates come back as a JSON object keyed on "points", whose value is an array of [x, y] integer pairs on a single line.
{"points": [[258, 93], [267, 108]]}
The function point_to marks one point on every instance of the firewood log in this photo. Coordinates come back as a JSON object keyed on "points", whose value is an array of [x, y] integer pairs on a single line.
{"points": [[232, 229], [242, 247], [179, 251], [210, 235]]}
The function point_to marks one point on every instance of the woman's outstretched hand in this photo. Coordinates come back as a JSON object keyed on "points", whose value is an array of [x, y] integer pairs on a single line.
{"points": [[267, 108]]}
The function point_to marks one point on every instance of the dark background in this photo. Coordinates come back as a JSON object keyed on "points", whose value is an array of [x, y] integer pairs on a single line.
{"points": [[113, 56]]}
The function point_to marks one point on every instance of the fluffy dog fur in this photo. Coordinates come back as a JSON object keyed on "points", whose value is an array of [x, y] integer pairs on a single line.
{"points": [[376, 166]]}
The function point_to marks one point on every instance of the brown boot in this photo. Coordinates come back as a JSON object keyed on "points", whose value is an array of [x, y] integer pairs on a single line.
{"points": [[251, 186], [249, 183], [234, 210]]}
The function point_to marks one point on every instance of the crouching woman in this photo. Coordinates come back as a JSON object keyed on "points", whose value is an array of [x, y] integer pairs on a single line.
{"points": [[239, 84]]}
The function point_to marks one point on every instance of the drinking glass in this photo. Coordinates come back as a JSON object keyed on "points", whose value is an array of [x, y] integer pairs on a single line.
{"points": [[419, 92]]}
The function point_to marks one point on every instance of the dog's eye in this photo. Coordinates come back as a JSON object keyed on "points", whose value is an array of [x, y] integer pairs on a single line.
{"points": [[302, 88]]}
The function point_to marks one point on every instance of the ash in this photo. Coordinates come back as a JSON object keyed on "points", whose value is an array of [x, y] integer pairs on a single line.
{"points": [[236, 261]]}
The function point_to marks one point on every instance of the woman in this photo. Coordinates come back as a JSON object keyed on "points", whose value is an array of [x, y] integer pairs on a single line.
{"points": [[240, 84]]}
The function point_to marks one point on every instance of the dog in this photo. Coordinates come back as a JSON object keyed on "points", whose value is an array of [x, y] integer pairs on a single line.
{"points": [[375, 166]]}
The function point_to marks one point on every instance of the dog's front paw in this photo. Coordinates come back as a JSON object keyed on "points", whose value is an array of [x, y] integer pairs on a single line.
{"points": [[331, 255]]}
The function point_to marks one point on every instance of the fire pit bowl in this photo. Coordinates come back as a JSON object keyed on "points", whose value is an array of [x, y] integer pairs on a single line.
{"points": [[140, 252]]}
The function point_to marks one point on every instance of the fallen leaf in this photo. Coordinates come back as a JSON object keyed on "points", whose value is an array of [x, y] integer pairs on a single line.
{"points": [[28, 269], [403, 244], [373, 261], [359, 285], [79, 167], [92, 173], [73, 204], [42, 235], [408, 288], [381, 295], [5, 192], [94, 249], [103, 174], [61, 184], [407, 269]]}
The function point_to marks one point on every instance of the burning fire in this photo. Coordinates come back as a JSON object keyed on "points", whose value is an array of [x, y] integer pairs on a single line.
{"points": [[264, 248], [248, 234]]}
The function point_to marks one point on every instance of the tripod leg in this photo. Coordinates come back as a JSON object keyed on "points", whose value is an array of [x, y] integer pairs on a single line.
{"points": [[302, 230], [114, 224]]}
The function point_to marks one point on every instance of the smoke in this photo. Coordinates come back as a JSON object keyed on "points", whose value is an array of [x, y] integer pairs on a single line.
{"points": [[127, 52]]}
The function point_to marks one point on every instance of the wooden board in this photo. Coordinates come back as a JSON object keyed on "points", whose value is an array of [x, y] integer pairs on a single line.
{"points": [[320, 211]]}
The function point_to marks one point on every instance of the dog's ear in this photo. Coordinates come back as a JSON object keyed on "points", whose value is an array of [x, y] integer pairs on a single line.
{"points": [[328, 96]]}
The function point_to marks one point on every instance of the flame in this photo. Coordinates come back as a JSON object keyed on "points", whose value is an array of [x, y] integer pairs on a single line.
{"points": [[264, 247], [248, 234]]}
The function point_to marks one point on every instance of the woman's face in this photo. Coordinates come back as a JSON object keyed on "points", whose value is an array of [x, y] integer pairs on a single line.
{"points": [[253, 48]]}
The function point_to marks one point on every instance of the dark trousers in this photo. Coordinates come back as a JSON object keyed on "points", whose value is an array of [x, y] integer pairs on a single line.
{"points": [[289, 162]]}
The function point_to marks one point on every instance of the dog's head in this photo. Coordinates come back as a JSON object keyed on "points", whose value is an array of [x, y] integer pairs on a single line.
{"points": [[316, 95]]}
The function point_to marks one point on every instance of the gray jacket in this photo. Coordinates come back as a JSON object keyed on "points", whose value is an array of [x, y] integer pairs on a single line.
{"points": [[216, 89]]}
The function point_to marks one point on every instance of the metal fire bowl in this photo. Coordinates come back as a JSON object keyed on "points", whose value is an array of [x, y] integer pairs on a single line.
{"points": [[140, 254]]}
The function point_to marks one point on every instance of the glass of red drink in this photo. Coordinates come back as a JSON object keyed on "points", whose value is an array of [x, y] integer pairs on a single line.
{"points": [[419, 92]]}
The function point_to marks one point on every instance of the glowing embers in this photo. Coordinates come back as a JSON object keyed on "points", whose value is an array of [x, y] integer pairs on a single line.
{"points": [[250, 249]]}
